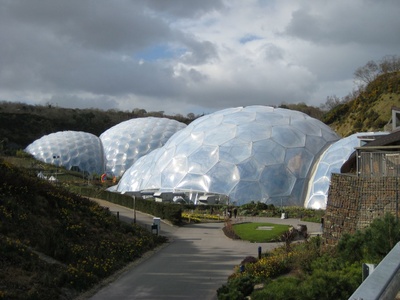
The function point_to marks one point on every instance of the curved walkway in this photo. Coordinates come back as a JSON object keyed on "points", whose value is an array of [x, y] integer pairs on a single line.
{"points": [[195, 262]]}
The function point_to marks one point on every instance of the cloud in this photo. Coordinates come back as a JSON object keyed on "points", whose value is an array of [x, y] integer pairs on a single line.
{"points": [[360, 22], [177, 56]]}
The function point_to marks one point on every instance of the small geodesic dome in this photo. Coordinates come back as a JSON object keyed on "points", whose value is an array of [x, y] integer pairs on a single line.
{"points": [[330, 162], [255, 153], [127, 141], [70, 149]]}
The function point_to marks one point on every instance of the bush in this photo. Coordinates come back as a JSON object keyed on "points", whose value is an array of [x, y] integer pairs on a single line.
{"points": [[249, 259], [280, 289], [236, 289], [381, 236]]}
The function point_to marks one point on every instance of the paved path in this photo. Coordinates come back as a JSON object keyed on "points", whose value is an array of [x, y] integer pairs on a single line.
{"points": [[195, 262]]}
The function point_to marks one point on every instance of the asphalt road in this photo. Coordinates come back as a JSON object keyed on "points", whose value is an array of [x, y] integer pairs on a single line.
{"points": [[195, 262]]}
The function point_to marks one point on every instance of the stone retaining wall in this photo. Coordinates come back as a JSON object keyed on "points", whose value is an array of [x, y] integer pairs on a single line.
{"points": [[353, 202]]}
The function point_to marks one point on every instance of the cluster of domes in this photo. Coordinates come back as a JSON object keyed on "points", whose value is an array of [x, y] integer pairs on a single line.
{"points": [[255, 153], [112, 153]]}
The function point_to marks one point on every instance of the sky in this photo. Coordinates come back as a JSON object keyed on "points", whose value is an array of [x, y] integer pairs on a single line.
{"points": [[187, 56]]}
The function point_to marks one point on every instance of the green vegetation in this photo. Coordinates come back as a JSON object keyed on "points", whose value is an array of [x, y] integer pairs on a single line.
{"points": [[55, 244], [368, 108], [264, 210], [311, 270], [252, 232]]}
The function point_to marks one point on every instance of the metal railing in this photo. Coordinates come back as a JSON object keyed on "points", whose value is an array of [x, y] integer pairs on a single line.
{"points": [[384, 281]]}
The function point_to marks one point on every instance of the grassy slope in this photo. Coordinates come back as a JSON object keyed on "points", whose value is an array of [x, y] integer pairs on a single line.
{"points": [[55, 244], [370, 111]]}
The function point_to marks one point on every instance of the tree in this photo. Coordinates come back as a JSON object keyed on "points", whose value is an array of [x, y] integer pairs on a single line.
{"points": [[191, 116], [389, 64], [367, 73], [331, 102]]}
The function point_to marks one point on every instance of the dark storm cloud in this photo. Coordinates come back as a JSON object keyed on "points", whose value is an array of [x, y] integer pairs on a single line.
{"points": [[184, 8], [361, 22], [98, 24]]}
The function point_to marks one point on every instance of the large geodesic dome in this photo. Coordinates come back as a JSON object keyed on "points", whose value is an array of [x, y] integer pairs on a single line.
{"points": [[330, 162], [254, 153], [129, 140], [70, 149]]}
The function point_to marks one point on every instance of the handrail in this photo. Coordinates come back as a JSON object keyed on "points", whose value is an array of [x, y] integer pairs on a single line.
{"points": [[384, 281]]}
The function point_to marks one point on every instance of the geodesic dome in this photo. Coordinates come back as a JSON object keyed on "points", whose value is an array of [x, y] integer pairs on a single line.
{"points": [[127, 141], [70, 149], [330, 162], [254, 153]]}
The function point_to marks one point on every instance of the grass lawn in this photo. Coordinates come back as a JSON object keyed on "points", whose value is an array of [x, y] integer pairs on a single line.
{"points": [[269, 233]]}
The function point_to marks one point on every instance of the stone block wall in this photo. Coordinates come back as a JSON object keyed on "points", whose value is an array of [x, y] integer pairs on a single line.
{"points": [[354, 202]]}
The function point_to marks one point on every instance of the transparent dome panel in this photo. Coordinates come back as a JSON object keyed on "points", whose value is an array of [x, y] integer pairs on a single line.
{"points": [[278, 180], [195, 182], [170, 180], [219, 135], [188, 148], [203, 159], [249, 170], [246, 191], [272, 118], [298, 161], [314, 144], [225, 177], [323, 169], [268, 152], [164, 158], [254, 131], [317, 202], [307, 128], [235, 151], [288, 137], [243, 117], [321, 185]]}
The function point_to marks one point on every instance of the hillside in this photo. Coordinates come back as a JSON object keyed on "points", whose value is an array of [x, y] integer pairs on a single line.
{"points": [[370, 110], [21, 124], [55, 244]]}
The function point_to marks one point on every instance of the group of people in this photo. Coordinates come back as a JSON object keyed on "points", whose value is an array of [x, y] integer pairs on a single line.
{"points": [[229, 212]]}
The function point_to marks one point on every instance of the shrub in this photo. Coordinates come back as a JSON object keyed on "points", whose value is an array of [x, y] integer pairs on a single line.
{"points": [[280, 289], [249, 259], [381, 236], [236, 289]]}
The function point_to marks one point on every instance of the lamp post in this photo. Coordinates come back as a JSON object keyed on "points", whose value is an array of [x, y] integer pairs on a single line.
{"points": [[56, 159], [133, 195], [134, 209]]}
